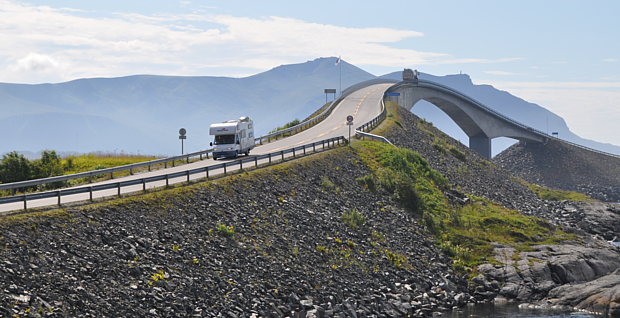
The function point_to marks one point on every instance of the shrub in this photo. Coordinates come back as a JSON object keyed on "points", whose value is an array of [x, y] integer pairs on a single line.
{"points": [[440, 145], [457, 153], [321, 249], [225, 231], [326, 184], [368, 182], [353, 219]]}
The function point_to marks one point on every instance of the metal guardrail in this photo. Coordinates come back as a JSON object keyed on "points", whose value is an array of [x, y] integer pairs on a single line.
{"points": [[361, 130], [130, 167], [534, 130], [311, 122], [90, 174], [187, 173]]}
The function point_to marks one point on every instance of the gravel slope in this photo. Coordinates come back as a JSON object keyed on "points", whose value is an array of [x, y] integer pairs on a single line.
{"points": [[561, 166]]}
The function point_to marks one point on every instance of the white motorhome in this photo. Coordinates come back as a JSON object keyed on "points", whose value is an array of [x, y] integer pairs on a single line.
{"points": [[232, 137]]}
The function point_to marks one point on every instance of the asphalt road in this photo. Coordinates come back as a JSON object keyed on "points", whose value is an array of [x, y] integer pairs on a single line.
{"points": [[363, 105]]}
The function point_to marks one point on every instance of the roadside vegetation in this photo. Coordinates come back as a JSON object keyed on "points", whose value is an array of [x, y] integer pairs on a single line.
{"points": [[557, 195], [464, 233], [15, 167]]}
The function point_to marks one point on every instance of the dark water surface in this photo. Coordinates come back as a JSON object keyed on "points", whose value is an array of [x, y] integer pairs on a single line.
{"points": [[512, 310]]}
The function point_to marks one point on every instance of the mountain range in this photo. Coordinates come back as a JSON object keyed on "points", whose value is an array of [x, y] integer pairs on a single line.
{"points": [[143, 113]]}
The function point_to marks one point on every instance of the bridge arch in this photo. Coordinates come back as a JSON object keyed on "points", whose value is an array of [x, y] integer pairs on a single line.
{"points": [[480, 123]]}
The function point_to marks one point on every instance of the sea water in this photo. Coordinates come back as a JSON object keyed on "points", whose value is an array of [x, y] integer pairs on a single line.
{"points": [[512, 310]]}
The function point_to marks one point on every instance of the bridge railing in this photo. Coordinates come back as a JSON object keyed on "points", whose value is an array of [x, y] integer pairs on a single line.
{"points": [[504, 117], [313, 121], [273, 156], [483, 106]]}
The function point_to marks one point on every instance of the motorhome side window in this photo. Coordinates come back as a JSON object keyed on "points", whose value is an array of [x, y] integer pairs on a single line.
{"points": [[251, 135], [243, 133], [224, 139]]}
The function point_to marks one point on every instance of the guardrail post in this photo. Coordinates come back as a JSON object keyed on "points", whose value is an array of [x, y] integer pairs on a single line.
{"points": [[90, 180], [304, 150], [112, 175], [200, 156], [187, 176], [118, 185], [240, 164], [314, 147], [166, 180], [224, 167], [187, 159], [256, 162], [67, 183], [25, 204], [143, 185], [12, 191], [207, 155], [58, 194], [173, 165], [207, 171], [90, 191], [282, 152], [323, 143], [293, 152], [149, 167], [131, 171], [165, 164], [269, 158]]}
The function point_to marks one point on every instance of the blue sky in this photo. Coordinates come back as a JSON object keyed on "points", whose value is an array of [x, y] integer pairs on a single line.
{"points": [[563, 55]]}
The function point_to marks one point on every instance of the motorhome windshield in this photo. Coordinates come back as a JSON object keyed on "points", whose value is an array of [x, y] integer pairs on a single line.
{"points": [[224, 139]]}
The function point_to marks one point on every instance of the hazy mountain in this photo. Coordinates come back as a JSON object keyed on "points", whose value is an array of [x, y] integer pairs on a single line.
{"points": [[143, 113]]}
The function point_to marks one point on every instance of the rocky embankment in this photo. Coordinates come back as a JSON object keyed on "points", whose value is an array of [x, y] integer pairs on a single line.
{"points": [[558, 165], [282, 249], [482, 178], [526, 275]]}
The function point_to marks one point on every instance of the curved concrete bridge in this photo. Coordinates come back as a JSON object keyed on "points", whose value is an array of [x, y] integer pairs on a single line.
{"points": [[479, 122]]}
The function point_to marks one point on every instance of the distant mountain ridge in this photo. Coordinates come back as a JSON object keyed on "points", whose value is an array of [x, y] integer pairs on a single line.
{"points": [[143, 113]]}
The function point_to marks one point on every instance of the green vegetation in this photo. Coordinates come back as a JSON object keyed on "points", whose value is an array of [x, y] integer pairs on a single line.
{"points": [[368, 181], [353, 219], [326, 184], [457, 153], [406, 175], [464, 233], [557, 195], [225, 231], [15, 167], [290, 124]]}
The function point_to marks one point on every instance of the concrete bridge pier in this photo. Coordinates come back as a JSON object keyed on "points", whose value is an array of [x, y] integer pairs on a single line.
{"points": [[482, 145]]}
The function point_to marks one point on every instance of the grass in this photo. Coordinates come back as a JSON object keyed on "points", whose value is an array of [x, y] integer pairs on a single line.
{"points": [[392, 119], [557, 195], [466, 233], [96, 161], [463, 233], [353, 219]]}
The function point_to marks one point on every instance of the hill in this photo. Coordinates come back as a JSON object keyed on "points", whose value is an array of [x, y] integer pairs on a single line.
{"points": [[143, 113], [559, 165]]}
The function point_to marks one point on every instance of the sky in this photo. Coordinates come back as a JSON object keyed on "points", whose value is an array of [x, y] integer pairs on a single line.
{"points": [[561, 54]]}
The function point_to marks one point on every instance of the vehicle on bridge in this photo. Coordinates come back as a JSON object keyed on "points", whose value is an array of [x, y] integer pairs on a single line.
{"points": [[232, 138]]}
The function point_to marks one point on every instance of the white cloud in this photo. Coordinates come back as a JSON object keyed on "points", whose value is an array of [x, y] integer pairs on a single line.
{"points": [[610, 60], [502, 73], [129, 43], [34, 62]]}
